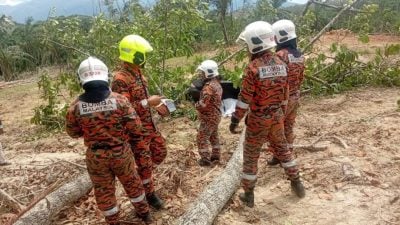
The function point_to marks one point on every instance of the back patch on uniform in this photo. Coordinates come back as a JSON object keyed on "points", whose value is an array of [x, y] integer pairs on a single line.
{"points": [[293, 59], [272, 71], [106, 105]]}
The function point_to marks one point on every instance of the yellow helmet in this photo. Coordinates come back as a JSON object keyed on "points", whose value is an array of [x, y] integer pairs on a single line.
{"points": [[133, 49]]}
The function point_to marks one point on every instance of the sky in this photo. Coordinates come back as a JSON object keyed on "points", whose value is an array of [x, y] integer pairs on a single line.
{"points": [[12, 2], [16, 2]]}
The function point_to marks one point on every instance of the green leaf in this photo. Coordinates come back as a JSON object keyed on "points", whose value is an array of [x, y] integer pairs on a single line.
{"points": [[393, 49], [364, 38]]}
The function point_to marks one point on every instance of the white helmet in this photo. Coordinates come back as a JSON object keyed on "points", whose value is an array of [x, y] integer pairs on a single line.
{"points": [[92, 69], [258, 36], [284, 30], [210, 68]]}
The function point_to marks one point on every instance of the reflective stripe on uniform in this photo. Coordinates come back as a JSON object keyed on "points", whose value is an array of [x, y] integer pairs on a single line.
{"points": [[138, 199], [144, 103], [290, 145], [203, 150], [285, 102], [111, 211], [289, 164], [146, 181], [242, 105], [1, 126], [249, 176]]}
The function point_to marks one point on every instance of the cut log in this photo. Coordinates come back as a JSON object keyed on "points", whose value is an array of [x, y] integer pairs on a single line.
{"points": [[213, 198], [52, 204]]}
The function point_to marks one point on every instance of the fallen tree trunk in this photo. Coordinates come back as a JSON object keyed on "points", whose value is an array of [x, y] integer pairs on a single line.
{"points": [[52, 204], [213, 198]]}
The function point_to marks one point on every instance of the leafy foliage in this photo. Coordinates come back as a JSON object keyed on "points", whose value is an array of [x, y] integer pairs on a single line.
{"points": [[177, 29]]}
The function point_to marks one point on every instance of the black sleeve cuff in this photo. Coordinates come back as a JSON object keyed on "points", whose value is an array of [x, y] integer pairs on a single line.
{"points": [[234, 120]]}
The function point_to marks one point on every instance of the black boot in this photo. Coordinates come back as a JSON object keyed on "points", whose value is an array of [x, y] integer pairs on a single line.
{"points": [[215, 158], [274, 161], [204, 162], [247, 198], [154, 201], [298, 188], [146, 218]]}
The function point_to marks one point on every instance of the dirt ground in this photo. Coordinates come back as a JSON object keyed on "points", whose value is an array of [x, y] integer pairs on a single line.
{"points": [[356, 180], [350, 40]]}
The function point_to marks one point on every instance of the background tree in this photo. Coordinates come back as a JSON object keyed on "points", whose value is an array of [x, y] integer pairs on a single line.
{"points": [[222, 7]]}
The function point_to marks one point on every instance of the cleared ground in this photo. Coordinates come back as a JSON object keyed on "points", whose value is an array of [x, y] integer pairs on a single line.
{"points": [[354, 181]]}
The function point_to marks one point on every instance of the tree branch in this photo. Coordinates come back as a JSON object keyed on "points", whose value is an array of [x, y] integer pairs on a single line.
{"points": [[10, 201], [306, 8], [314, 78], [336, 7], [329, 25], [230, 56]]}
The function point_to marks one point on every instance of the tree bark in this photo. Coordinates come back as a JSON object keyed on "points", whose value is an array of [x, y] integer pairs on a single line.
{"points": [[224, 29], [52, 204], [213, 198]]}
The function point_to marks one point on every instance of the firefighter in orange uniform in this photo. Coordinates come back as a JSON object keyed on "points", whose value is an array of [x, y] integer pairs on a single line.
{"points": [[209, 113], [130, 82], [263, 94], [105, 119], [287, 51]]}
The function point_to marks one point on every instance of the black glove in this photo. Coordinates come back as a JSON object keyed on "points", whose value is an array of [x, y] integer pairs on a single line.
{"points": [[234, 124]]}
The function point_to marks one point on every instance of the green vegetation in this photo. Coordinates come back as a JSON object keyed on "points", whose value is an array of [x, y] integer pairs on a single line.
{"points": [[177, 30]]}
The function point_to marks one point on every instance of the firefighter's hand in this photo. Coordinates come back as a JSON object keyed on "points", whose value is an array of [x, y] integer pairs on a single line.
{"points": [[233, 126], [154, 100], [162, 109]]}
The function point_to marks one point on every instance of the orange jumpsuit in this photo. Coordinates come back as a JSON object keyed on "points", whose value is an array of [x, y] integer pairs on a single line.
{"points": [[295, 78], [209, 114], [151, 150], [264, 92], [105, 127]]}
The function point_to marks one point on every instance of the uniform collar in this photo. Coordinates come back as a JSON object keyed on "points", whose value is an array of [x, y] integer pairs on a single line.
{"points": [[261, 54], [132, 68]]}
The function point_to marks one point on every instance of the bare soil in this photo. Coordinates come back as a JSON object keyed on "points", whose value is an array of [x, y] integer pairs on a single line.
{"points": [[359, 184], [354, 185]]}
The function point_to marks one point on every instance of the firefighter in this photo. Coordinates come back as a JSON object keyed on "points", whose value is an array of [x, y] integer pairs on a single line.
{"points": [[209, 113], [264, 92], [286, 50], [105, 119], [3, 161], [130, 82]]}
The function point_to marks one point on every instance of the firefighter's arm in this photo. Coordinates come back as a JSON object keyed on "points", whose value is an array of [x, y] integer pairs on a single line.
{"points": [[245, 96], [205, 98], [131, 120], [119, 86], [244, 99], [72, 125]]}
